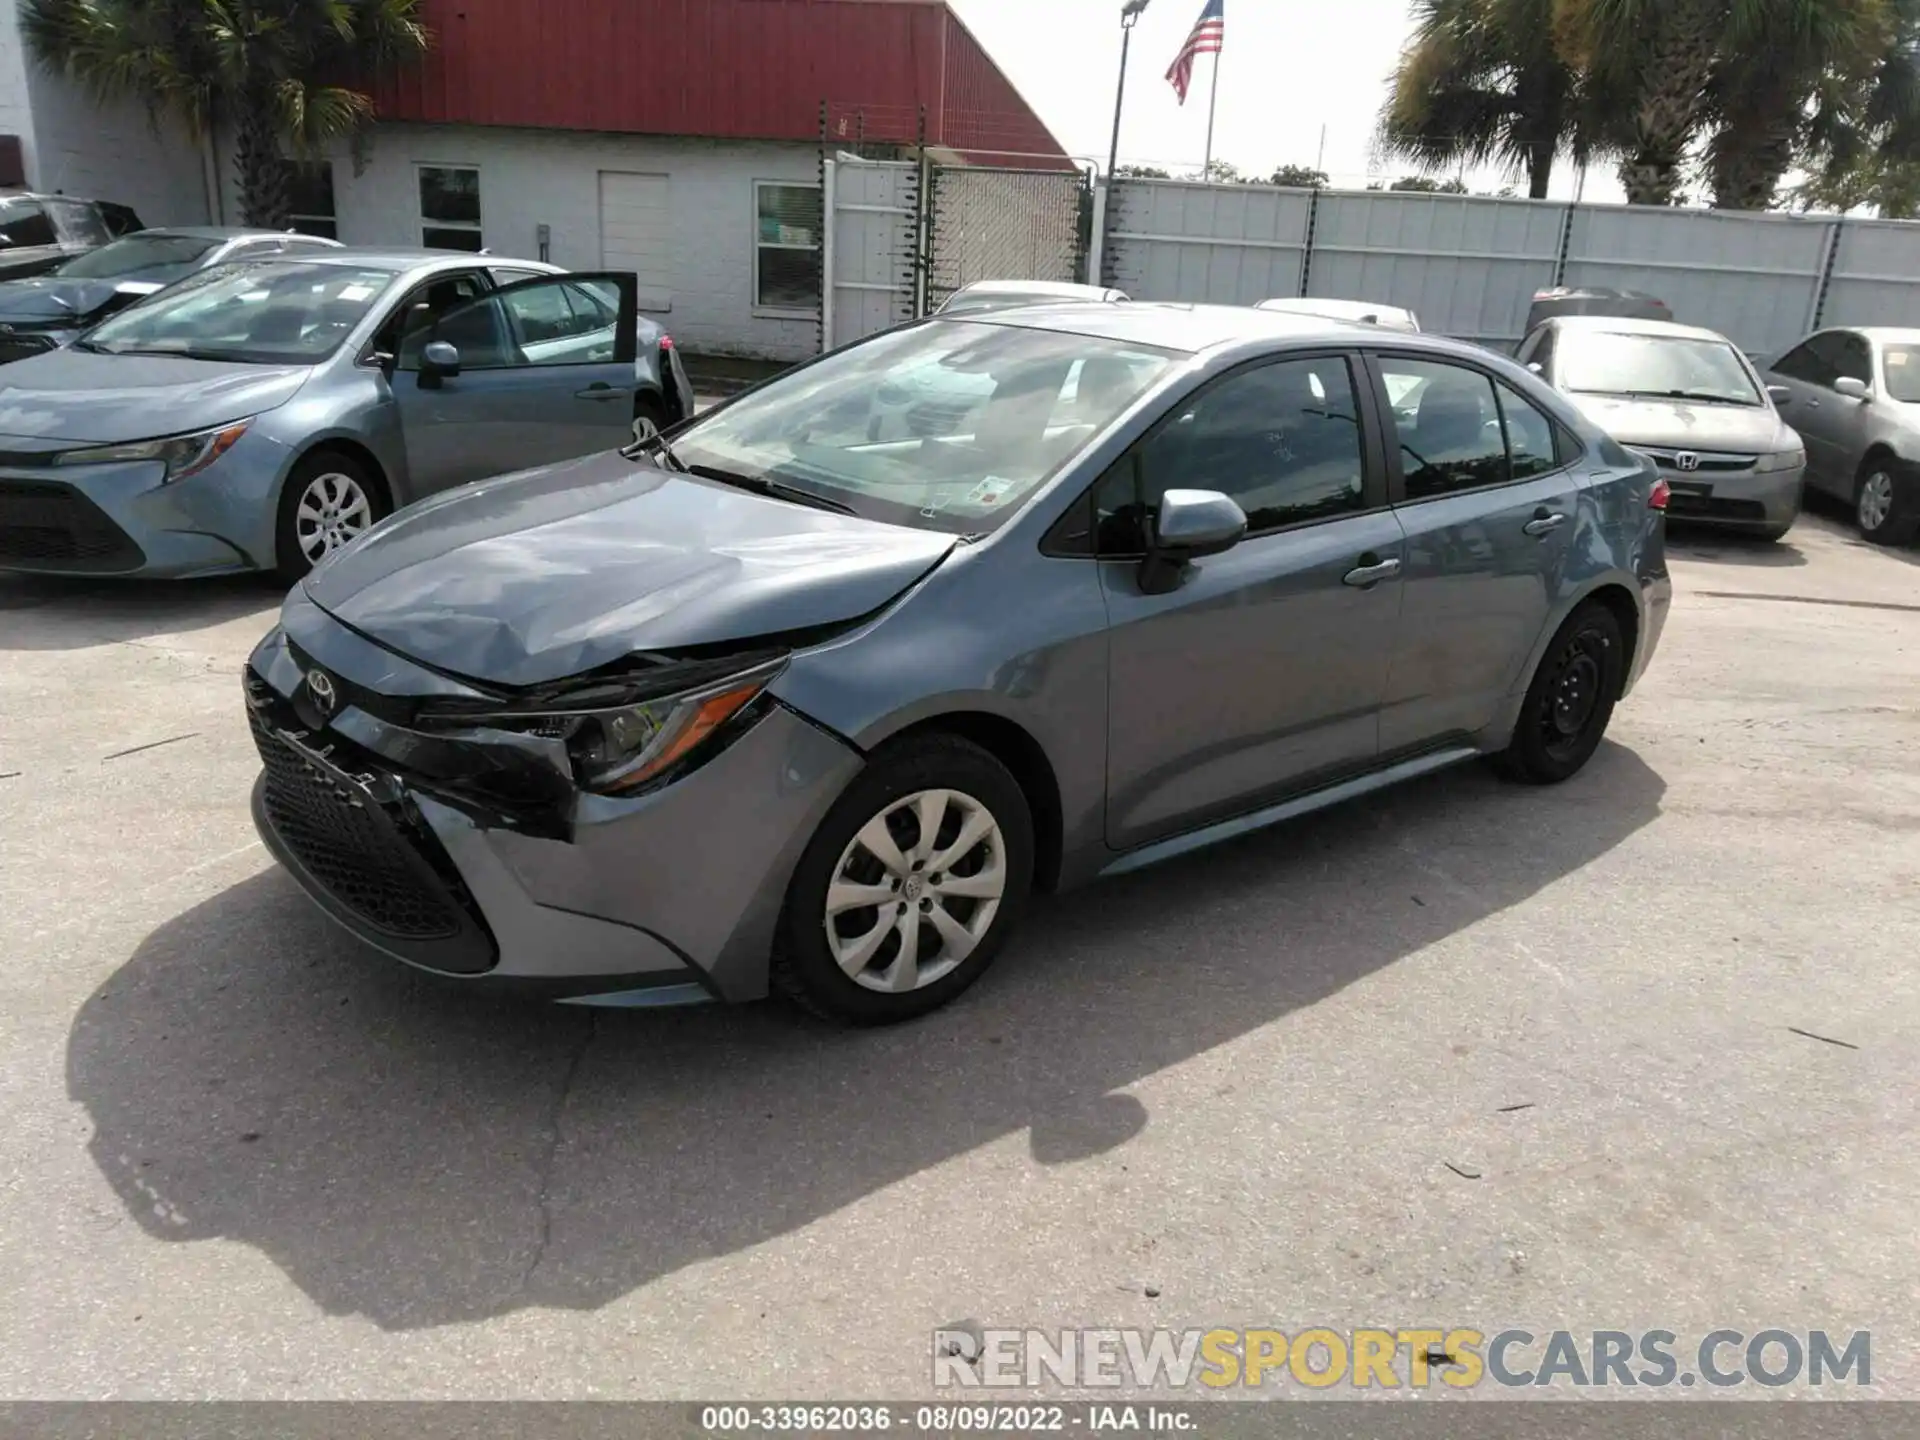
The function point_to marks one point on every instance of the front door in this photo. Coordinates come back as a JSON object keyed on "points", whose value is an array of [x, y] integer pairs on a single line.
{"points": [[1488, 496], [546, 373], [1262, 672], [1817, 411]]}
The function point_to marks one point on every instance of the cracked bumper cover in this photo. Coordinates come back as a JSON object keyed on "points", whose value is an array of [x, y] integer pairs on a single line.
{"points": [[639, 900]]}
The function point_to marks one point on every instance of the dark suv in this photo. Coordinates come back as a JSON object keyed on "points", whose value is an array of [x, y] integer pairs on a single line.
{"points": [[37, 232]]}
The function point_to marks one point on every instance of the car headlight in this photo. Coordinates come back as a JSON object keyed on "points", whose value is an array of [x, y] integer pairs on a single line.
{"points": [[183, 455], [1782, 460], [619, 743]]}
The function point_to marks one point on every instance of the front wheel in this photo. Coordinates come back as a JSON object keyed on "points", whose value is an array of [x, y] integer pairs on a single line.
{"points": [[906, 892], [1885, 504], [1570, 701], [328, 500]]}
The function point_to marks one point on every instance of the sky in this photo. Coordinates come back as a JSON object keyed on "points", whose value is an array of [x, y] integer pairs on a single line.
{"points": [[1289, 70]]}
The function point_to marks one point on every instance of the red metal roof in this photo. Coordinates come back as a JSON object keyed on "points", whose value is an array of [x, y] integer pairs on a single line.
{"points": [[741, 69]]}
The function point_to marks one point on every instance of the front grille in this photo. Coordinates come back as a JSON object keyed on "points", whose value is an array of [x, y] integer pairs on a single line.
{"points": [[19, 347], [367, 856], [1707, 464], [47, 525]]}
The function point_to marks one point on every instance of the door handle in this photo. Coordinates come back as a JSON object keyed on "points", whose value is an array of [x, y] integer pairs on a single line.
{"points": [[1370, 572], [1544, 523], [600, 390], [1813, 404]]}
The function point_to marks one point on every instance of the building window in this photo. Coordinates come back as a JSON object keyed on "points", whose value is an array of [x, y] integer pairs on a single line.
{"points": [[786, 252], [310, 198], [449, 207]]}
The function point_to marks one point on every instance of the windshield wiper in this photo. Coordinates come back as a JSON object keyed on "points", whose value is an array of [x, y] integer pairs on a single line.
{"points": [[655, 441], [773, 489], [1704, 397]]}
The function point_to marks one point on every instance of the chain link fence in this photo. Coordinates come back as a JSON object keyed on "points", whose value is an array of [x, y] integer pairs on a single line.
{"points": [[1004, 224]]}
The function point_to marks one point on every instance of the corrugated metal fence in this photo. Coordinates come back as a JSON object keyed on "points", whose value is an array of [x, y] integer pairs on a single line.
{"points": [[1469, 266]]}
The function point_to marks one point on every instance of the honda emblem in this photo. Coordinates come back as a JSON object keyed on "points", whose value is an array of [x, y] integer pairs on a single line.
{"points": [[1686, 461]]}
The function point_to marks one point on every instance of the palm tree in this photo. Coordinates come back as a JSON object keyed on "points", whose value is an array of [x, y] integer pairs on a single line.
{"points": [[1483, 82], [1661, 56], [1862, 140], [1788, 69], [280, 73]]}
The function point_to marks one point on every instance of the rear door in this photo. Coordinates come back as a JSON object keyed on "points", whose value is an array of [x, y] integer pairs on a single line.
{"points": [[546, 374], [1263, 671], [1485, 487]]}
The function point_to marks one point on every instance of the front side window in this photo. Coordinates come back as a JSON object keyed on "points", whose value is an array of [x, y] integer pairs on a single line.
{"points": [[1903, 373], [1855, 360], [449, 207], [786, 249], [139, 257], [274, 312], [1665, 367], [560, 322], [1283, 440], [946, 425], [24, 224], [1447, 422], [310, 205], [1805, 362]]}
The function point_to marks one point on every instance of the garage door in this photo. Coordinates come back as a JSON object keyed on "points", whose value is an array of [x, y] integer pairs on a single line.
{"points": [[634, 230]]}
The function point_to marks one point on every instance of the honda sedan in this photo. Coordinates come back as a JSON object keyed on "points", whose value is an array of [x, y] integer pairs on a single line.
{"points": [[770, 704]]}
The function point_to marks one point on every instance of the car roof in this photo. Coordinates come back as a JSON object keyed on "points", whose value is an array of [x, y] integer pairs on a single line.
{"points": [[401, 260], [1622, 325], [215, 232], [1895, 334], [1193, 328], [1328, 306]]}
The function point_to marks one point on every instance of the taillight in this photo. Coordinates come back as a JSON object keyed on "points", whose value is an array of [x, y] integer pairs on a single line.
{"points": [[666, 343], [1658, 496]]}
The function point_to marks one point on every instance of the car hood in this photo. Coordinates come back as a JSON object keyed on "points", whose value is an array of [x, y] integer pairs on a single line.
{"points": [[536, 577], [78, 395], [50, 299], [1676, 424]]}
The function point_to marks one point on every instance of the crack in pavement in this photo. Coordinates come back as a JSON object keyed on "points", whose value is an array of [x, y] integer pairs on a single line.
{"points": [[555, 1136]]}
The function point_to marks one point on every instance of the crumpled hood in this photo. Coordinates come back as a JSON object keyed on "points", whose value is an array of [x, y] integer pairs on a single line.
{"points": [[48, 299], [78, 395], [1680, 425], [535, 577]]}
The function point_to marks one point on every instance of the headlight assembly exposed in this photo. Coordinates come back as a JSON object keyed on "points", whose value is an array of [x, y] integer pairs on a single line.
{"points": [[617, 745], [183, 455]]}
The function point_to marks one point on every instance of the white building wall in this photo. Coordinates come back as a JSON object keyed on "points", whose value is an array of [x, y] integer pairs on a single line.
{"points": [[533, 177], [77, 146]]}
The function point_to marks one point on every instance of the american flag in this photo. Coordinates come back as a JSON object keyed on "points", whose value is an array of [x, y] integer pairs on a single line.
{"points": [[1209, 31]]}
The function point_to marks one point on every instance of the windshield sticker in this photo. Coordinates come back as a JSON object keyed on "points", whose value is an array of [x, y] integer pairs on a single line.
{"points": [[990, 490], [355, 292]]}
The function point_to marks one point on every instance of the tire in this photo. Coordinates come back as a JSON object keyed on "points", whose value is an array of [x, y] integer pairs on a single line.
{"points": [[1886, 502], [652, 410], [1561, 727], [328, 499], [856, 977]]}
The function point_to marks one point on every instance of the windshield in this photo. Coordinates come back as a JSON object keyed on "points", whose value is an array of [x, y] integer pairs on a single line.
{"points": [[1903, 373], [943, 426], [266, 313], [139, 257], [1603, 363]]}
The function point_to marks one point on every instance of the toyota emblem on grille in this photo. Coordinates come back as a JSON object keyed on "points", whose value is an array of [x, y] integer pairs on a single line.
{"points": [[1686, 460], [320, 687]]}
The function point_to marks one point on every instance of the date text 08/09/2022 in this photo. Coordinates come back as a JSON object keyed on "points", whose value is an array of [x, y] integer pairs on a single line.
{"points": [[943, 1419]]}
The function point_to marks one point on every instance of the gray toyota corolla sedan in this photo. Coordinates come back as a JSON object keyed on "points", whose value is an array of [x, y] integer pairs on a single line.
{"points": [[768, 702], [259, 415]]}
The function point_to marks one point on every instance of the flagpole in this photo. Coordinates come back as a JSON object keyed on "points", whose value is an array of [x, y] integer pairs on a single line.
{"points": [[1212, 100]]}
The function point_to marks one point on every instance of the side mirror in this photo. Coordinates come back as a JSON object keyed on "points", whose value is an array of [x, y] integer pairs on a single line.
{"points": [[439, 361], [1191, 525], [1780, 394], [1853, 389]]}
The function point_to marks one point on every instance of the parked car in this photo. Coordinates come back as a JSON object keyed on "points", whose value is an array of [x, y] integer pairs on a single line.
{"points": [[1006, 294], [1854, 396], [261, 414], [38, 232], [767, 703], [1692, 403], [1569, 300], [1352, 312], [47, 311]]}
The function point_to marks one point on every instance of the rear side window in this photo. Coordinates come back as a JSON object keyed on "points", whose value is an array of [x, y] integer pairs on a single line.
{"points": [[1447, 424], [24, 223], [1531, 436], [80, 223]]}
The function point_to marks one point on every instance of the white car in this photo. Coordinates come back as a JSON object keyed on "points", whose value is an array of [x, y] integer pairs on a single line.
{"points": [[1008, 294], [1352, 312]]}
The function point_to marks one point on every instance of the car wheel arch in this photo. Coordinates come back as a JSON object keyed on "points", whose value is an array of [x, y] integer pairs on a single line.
{"points": [[353, 450]]}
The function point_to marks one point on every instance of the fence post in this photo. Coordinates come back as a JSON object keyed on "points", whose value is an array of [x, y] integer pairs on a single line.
{"points": [[1827, 264], [1097, 241], [1566, 247], [828, 177], [1306, 250]]}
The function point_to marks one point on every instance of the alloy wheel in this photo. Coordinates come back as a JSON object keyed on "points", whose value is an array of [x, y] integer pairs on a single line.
{"points": [[333, 509], [916, 891], [1876, 501]]}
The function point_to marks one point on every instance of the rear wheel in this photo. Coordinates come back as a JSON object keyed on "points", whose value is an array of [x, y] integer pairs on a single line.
{"points": [[649, 416], [328, 500], [1886, 503], [1570, 701], [907, 890]]}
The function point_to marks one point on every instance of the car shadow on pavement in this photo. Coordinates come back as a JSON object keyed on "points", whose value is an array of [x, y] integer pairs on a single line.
{"points": [[422, 1157], [48, 613], [1708, 546]]}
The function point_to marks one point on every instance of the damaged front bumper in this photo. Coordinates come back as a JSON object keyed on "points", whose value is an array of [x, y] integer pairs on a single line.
{"points": [[472, 853]]}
